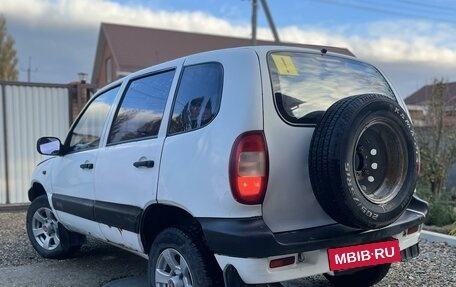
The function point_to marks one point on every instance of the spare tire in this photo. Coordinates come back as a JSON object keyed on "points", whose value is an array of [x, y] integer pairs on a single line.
{"points": [[363, 161]]}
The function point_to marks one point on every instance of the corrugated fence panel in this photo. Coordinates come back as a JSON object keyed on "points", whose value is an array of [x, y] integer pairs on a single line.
{"points": [[2, 153], [31, 112]]}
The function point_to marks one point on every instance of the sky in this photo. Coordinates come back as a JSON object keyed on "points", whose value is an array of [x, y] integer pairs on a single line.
{"points": [[412, 41]]}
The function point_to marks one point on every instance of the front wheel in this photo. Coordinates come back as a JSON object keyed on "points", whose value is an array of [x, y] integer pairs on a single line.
{"points": [[179, 258], [45, 232], [359, 278]]}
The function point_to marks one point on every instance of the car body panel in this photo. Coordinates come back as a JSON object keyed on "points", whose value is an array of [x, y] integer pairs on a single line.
{"points": [[120, 182], [69, 179], [199, 159]]}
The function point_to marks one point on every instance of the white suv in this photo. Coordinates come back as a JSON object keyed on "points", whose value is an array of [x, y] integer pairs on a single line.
{"points": [[241, 166]]}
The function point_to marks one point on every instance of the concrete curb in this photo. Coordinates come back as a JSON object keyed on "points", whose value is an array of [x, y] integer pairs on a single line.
{"points": [[14, 207], [438, 237]]}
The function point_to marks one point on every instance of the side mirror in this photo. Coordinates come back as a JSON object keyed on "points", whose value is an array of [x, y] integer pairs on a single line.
{"points": [[49, 146]]}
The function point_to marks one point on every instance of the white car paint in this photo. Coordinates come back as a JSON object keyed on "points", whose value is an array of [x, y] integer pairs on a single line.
{"points": [[69, 179], [191, 169], [257, 270], [202, 155]]}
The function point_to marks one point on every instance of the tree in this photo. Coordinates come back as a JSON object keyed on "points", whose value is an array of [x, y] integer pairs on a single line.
{"points": [[8, 59], [437, 141]]}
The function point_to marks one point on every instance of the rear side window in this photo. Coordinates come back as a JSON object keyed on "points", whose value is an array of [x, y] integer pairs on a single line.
{"points": [[141, 110], [306, 85], [198, 97]]}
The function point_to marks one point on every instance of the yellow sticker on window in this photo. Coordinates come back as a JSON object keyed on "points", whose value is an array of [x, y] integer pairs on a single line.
{"points": [[285, 65]]}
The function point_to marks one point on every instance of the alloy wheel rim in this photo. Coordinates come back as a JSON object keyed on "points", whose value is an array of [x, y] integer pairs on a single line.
{"points": [[172, 270], [45, 229]]}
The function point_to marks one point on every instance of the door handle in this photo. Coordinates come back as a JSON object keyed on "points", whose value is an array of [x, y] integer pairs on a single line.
{"points": [[86, 166], [144, 163]]}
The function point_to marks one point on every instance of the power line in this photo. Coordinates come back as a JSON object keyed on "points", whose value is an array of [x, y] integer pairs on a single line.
{"points": [[363, 6], [410, 6], [427, 5]]}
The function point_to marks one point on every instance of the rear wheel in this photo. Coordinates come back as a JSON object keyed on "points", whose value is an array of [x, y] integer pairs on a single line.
{"points": [[49, 238], [178, 258], [362, 277]]}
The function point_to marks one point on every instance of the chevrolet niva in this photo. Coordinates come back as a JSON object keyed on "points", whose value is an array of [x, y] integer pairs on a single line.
{"points": [[249, 165]]}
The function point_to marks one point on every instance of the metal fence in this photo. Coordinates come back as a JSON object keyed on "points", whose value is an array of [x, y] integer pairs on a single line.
{"points": [[27, 112]]}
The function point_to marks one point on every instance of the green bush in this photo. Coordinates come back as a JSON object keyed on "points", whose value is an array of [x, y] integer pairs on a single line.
{"points": [[440, 214], [442, 210], [424, 192], [453, 231]]}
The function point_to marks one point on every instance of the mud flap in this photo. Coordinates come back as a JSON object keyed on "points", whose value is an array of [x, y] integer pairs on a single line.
{"points": [[70, 239], [411, 252], [232, 279]]}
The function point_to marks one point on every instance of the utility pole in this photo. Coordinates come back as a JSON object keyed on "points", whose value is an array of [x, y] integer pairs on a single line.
{"points": [[29, 70], [254, 21], [270, 20], [267, 12]]}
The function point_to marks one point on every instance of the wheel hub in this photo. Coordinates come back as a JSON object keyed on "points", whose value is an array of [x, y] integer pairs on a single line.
{"points": [[49, 228], [176, 281], [367, 163]]}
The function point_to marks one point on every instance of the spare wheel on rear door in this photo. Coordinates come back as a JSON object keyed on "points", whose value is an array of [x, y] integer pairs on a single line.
{"points": [[363, 161]]}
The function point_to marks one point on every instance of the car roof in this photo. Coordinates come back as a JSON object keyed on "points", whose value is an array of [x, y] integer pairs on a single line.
{"points": [[259, 49]]}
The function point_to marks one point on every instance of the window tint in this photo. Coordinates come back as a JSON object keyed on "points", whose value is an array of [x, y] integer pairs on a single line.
{"points": [[305, 85], [87, 132], [198, 97], [141, 110]]}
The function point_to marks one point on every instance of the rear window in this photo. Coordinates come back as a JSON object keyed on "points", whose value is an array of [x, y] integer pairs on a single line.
{"points": [[306, 85]]}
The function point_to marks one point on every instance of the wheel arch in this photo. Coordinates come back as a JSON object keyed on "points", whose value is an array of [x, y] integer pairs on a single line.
{"points": [[157, 217], [36, 190]]}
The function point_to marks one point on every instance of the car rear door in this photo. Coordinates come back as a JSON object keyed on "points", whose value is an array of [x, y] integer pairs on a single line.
{"points": [[299, 86]]}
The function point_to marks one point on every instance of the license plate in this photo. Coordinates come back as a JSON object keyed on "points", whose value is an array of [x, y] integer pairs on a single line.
{"points": [[364, 255]]}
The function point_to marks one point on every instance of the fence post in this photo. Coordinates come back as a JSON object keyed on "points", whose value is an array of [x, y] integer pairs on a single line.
{"points": [[5, 145]]}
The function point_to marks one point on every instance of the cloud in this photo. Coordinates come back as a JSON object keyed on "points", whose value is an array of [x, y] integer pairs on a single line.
{"points": [[409, 41], [404, 41]]}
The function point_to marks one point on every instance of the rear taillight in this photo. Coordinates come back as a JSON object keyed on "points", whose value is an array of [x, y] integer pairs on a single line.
{"points": [[249, 168]]}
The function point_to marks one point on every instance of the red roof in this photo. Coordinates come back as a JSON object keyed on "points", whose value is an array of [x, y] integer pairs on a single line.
{"points": [[135, 48], [424, 95]]}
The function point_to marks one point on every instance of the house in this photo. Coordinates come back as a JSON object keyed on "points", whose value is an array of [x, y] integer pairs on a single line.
{"points": [[423, 96], [418, 104], [124, 49]]}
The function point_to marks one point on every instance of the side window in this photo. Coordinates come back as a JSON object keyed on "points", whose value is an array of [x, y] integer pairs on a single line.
{"points": [[87, 131], [141, 110], [198, 97]]}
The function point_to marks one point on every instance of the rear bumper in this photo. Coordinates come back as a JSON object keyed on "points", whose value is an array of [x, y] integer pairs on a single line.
{"points": [[264, 275], [251, 238]]}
